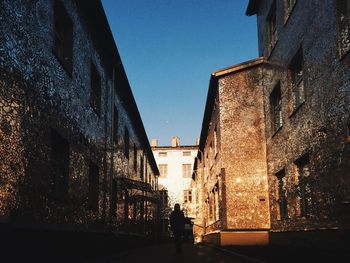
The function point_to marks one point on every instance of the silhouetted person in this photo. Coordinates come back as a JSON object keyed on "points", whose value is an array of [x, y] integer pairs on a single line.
{"points": [[177, 224]]}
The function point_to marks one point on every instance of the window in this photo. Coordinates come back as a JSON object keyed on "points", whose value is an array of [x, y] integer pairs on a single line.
{"points": [[186, 153], [343, 15], [215, 141], [276, 108], [302, 177], [282, 201], [215, 202], [288, 8], [163, 170], [146, 168], [63, 38], [59, 166], [297, 77], [95, 95], [187, 196], [126, 143], [162, 154], [135, 157], [271, 27], [115, 125], [211, 155], [186, 170], [113, 203], [93, 186], [141, 168]]}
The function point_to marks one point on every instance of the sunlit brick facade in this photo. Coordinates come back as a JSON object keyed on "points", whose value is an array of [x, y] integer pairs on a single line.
{"points": [[231, 165], [74, 152], [300, 93]]}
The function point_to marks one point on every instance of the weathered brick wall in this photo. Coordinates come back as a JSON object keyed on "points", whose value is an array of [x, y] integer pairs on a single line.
{"points": [[212, 173], [319, 127], [243, 151], [36, 95]]}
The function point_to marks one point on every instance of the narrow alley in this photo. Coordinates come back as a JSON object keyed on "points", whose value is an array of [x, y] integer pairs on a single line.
{"points": [[92, 168], [166, 253]]}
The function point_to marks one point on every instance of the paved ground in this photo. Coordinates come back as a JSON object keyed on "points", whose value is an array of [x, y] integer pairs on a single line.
{"points": [[165, 253], [292, 254]]}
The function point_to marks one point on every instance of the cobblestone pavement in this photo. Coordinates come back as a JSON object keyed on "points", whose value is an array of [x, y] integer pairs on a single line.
{"points": [[165, 253]]}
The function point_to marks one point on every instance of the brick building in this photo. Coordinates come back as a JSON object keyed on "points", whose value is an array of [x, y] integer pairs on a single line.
{"points": [[74, 152], [301, 91], [230, 172]]}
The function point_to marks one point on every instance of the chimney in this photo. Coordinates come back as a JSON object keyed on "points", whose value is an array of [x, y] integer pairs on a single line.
{"points": [[197, 141], [175, 141], [154, 143]]}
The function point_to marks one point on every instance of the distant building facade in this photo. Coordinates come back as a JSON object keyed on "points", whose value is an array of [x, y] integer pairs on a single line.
{"points": [[74, 152], [175, 165], [285, 127]]}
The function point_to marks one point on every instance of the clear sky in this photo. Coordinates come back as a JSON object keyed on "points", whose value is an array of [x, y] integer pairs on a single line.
{"points": [[169, 49]]}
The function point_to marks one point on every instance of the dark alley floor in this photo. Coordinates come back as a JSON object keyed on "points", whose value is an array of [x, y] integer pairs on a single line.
{"points": [[165, 253]]}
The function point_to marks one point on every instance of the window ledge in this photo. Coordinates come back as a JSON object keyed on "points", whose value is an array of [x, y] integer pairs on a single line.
{"points": [[344, 55], [283, 219], [272, 49], [63, 65], [290, 11], [98, 113], [275, 132], [213, 222], [296, 109]]}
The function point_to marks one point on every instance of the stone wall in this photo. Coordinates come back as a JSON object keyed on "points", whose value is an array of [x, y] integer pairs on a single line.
{"points": [[318, 128], [37, 96], [243, 150]]}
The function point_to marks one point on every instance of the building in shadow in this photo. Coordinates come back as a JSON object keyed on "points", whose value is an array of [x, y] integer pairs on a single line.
{"points": [[275, 132], [74, 151]]}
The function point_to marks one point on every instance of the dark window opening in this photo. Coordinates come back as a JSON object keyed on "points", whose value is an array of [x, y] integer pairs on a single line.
{"points": [[59, 166], [126, 205], [63, 38], [271, 27], [93, 186], [276, 108], [141, 168], [95, 95], [115, 125], [282, 201], [297, 78], [304, 190], [343, 15], [113, 203], [126, 143], [135, 157]]}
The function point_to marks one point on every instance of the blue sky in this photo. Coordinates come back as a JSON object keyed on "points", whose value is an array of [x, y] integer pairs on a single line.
{"points": [[169, 49]]}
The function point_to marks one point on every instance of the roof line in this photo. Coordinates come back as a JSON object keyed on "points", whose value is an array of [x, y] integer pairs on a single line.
{"points": [[238, 67]]}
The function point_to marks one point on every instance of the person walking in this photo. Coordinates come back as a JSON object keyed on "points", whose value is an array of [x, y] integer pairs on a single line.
{"points": [[177, 225]]}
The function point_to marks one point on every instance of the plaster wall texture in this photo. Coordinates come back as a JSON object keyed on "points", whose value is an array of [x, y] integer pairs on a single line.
{"points": [[175, 182]]}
